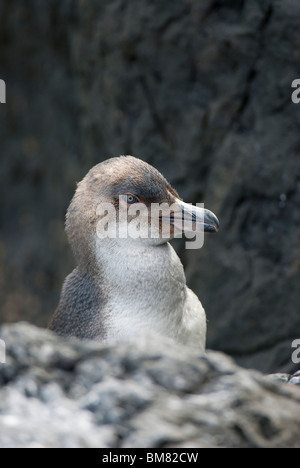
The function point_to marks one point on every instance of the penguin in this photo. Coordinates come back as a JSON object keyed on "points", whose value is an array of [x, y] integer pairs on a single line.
{"points": [[129, 279]]}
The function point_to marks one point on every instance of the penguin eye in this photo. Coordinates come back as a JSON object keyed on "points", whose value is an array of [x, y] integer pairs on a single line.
{"points": [[131, 199]]}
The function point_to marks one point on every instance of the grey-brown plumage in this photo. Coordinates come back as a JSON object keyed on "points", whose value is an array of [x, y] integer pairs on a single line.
{"points": [[81, 296], [126, 286]]}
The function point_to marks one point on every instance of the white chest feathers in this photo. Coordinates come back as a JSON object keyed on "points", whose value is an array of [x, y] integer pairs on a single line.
{"points": [[146, 291]]}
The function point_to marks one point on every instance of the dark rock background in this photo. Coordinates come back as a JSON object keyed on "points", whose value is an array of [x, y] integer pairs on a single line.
{"points": [[200, 89]]}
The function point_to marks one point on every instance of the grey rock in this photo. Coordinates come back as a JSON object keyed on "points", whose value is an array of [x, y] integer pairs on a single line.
{"points": [[148, 393], [286, 378], [295, 379], [280, 377], [200, 89], [112, 403], [27, 422]]}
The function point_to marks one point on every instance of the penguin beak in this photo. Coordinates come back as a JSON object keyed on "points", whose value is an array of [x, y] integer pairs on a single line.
{"points": [[189, 218]]}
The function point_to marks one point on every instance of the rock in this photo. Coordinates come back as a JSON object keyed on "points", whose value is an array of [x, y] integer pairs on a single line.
{"points": [[287, 378], [30, 422], [280, 377], [202, 90], [295, 379], [150, 393]]}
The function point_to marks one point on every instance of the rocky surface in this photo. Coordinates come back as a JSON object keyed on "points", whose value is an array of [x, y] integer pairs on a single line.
{"points": [[199, 88], [153, 393], [287, 378]]}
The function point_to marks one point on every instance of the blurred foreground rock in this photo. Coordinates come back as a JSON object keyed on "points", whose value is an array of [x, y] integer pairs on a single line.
{"points": [[153, 393]]}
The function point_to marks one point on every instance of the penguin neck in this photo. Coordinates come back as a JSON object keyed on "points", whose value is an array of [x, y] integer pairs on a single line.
{"points": [[141, 280]]}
